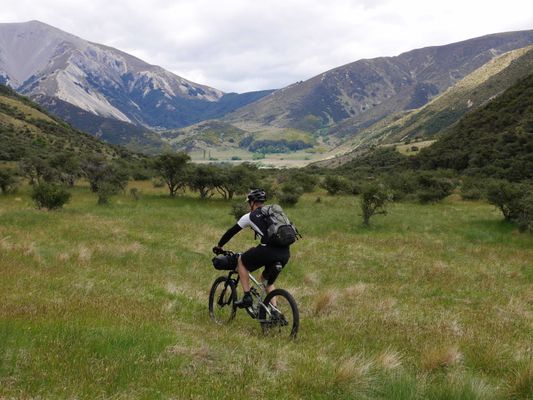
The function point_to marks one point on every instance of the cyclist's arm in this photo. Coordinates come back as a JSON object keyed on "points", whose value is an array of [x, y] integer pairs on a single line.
{"points": [[226, 237], [243, 222]]}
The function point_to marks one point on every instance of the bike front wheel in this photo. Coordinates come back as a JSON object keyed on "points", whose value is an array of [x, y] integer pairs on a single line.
{"points": [[222, 297], [280, 316]]}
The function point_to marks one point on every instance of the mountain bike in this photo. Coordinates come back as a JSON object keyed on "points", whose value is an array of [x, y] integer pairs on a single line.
{"points": [[276, 312]]}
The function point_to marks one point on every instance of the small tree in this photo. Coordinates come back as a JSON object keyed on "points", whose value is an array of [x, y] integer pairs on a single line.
{"points": [[105, 178], [506, 196], [236, 180], [172, 168], [49, 196], [67, 167], [374, 198], [37, 170], [204, 179]]}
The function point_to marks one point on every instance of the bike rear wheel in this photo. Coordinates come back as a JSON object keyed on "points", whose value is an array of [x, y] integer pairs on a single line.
{"points": [[282, 318], [222, 297]]}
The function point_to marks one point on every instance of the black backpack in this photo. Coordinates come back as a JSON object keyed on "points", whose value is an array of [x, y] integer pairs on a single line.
{"points": [[280, 230]]}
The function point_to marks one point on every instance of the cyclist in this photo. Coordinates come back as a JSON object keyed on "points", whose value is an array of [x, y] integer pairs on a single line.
{"points": [[263, 255]]}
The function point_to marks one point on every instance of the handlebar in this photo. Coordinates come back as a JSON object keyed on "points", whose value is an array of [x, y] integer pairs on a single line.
{"points": [[218, 250]]}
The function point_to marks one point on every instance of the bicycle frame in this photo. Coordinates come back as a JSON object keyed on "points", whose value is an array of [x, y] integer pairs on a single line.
{"points": [[258, 291]]}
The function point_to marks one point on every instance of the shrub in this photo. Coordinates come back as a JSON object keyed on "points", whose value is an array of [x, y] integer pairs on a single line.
{"points": [[304, 180], [135, 193], [374, 198], [515, 201], [524, 217], [49, 196], [337, 185], [289, 194], [472, 189], [433, 188], [8, 181], [401, 184]]}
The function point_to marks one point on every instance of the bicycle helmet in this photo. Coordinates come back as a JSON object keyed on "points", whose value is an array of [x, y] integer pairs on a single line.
{"points": [[257, 195]]}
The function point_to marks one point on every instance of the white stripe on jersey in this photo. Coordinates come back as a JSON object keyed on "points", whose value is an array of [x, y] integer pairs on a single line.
{"points": [[245, 221]]}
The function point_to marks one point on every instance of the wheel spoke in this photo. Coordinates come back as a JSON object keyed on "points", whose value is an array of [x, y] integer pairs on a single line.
{"points": [[221, 298]]}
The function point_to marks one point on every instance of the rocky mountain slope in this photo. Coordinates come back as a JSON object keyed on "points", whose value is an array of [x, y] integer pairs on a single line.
{"points": [[38, 59]]}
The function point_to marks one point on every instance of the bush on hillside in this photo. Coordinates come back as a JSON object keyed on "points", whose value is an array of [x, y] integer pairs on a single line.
{"points": [[49, 196], [65, 168]]}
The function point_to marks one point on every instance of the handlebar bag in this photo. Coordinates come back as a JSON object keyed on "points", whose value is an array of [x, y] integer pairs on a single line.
{"points": [[225, 262]]}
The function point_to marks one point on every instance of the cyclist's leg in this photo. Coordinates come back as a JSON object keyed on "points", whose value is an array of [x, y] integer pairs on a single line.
{"points": [[273, 269], [249, 261], [243, 275]]}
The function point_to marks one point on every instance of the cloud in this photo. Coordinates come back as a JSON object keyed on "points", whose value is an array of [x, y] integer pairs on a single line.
{"points": [[242, 45]]}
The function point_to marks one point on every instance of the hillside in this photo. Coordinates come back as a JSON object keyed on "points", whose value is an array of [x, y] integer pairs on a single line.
{"points": [[366, 91], [26, 129], [133, 137], [433, 119], [465, 96], [496, 140]]}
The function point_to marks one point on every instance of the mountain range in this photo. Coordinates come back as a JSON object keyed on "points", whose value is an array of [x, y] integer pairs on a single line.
{"points": [[366, 91], [124, 100], [37, 59]]}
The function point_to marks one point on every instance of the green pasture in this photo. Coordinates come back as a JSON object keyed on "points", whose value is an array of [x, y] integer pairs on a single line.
{"points": [[97, 302]]}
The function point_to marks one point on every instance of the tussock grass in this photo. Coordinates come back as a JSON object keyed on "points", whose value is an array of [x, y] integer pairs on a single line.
{"points": [[431, 302], [520, 385], [441, 358]]}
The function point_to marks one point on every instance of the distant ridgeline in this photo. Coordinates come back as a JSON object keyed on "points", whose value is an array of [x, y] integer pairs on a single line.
{"points": [[27, 130]]}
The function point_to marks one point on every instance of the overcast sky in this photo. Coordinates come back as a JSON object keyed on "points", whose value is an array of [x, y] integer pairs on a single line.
{"points": [[245, 45]]}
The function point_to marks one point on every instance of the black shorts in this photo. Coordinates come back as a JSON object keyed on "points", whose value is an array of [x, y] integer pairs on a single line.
{"points": [[268, 257]]}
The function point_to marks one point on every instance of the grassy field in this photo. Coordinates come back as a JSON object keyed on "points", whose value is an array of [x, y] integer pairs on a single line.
{"points": [[431, 302]]}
